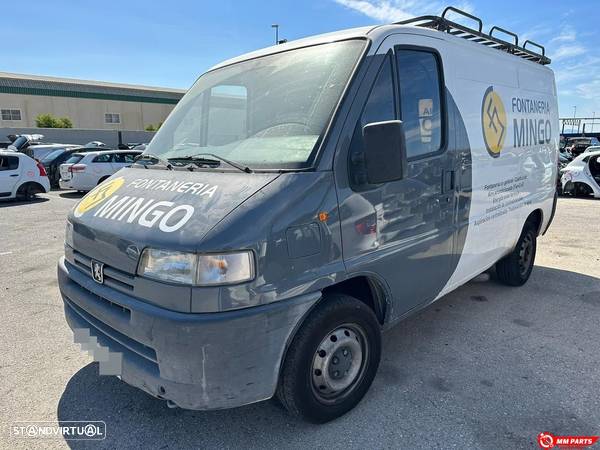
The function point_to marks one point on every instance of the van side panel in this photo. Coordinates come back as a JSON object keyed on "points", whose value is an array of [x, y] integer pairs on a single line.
{"points": [[511, 115]]}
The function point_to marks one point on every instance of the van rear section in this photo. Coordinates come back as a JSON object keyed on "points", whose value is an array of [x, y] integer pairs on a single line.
{"points": [[300, 200]]}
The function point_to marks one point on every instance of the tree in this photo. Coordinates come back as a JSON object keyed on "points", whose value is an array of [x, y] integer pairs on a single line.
{"points": [[50, 121], [65, 122], [45, 121], [152, 127]]}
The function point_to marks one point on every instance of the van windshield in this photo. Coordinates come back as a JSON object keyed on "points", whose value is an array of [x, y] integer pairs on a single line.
{"points": [[268, 112]]}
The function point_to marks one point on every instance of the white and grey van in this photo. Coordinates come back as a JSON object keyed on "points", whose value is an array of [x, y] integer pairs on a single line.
{"points": [[301, 199]]}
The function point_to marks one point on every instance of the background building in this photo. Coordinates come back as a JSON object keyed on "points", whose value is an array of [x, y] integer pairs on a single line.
{"points": [[89, 104]]}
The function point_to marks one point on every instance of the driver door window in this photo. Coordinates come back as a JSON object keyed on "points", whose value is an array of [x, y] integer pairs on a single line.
{"points": [[380, 107], [420, 91]]}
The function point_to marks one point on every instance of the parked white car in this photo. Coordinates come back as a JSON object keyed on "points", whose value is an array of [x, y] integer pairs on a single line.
{"points": [[592, 148], [85, 171], [582, 175], [31, 145], [21, 176]]}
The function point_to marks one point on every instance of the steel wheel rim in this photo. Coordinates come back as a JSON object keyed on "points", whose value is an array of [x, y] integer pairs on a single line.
{"points": [[339, 363], [525, 254]]}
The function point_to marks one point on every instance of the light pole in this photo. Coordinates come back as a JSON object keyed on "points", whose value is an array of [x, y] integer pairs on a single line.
{"points": [[276, 26], [574, 114]]}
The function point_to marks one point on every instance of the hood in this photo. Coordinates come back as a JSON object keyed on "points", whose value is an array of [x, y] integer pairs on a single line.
{"points": [[138, 208]]}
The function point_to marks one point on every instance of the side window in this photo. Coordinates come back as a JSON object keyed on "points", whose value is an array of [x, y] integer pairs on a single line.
{"points": [[13, 163], [129, 157], [112, 118], [102, 158], [10, 114], [380, 107], [9, 163], [420, 89], [124, 158]]}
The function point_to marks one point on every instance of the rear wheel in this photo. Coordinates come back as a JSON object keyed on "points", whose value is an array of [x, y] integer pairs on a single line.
{"points": [[28, 191], [332, 360], [515, 268]]}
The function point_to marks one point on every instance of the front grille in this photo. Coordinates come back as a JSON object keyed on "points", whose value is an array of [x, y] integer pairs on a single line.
{"points": [[122, 312], [113, 278]]}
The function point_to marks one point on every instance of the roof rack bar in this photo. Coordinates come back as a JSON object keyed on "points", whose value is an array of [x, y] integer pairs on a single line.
{"points": [[463, 13], [502, 30], [441, 23], [541, 47]]}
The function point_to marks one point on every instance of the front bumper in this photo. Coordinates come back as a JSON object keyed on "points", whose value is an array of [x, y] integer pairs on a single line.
{"points": [[197, 361]]}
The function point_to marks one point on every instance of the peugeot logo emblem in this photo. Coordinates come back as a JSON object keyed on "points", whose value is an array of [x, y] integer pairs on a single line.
{"points": [[98, 271]]}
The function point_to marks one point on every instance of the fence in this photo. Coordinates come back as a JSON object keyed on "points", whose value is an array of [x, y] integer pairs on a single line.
{"points": [[111, 138]]}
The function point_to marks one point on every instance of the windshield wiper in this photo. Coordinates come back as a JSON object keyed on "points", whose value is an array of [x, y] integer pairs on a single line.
{"points": [[198, 158], [149, 156]]}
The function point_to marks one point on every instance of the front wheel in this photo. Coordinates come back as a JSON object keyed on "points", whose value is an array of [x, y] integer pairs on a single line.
{"points": [[332, 360], [515, 268], [583, 190]]}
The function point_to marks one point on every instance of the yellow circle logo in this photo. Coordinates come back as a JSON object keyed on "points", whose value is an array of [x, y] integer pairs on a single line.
{"points": [[98, 195], [493, 121]]}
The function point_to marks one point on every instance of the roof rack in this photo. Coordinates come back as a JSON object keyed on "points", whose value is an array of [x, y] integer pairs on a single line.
{"points": [[477, 35]]}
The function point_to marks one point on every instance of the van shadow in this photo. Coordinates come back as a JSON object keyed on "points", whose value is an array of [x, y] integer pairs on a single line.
{"points": [[11, 203], [447, 373]]}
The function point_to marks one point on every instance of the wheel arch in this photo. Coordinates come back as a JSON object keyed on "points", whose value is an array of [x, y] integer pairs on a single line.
{"points": [[536, 218], [39, 188], [370, 289], [585, 183]]}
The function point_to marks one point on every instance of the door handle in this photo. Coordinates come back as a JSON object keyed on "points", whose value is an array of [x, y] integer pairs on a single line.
{"points": [[14, 175], [447, 181]]}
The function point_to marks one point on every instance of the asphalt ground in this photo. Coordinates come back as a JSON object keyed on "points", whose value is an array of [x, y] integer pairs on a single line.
{"points": [[487, 366]]}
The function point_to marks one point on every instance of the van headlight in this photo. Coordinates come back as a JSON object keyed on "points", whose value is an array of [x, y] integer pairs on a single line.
{"points": [[195, 269]]}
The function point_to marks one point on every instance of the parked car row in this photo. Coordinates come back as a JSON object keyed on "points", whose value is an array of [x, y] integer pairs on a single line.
{"points": [[581, 177], [85, 171], [29, 167]]}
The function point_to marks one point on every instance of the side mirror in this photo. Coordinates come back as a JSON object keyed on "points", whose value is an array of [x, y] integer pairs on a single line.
{"points": [[385, 151]]}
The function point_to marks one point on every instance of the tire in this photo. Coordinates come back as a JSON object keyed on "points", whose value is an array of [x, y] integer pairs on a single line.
{"points": [[515, 268], [27, 191], [582, 190], [102, 180], [342, 329]]}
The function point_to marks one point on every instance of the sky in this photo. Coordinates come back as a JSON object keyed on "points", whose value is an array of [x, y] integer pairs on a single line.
{"points": [[170, 43]]}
